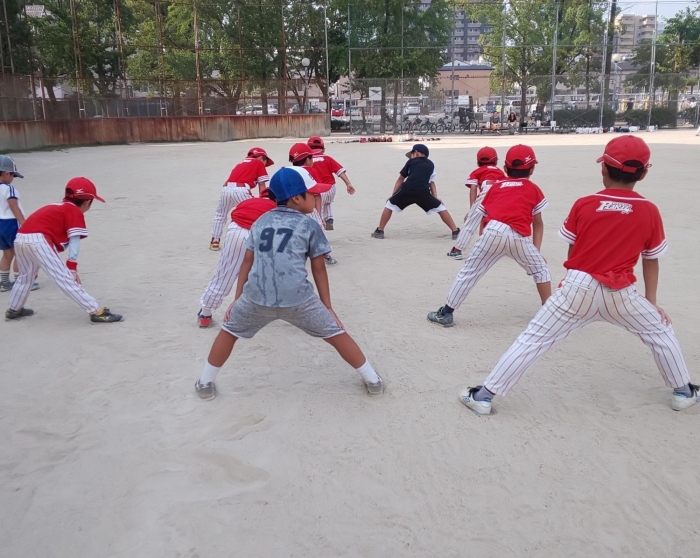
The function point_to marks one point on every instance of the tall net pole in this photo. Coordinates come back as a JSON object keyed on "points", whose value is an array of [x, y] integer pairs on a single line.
{"points": [[601, 99], [554, 61], [200, 106], [652, 96]]}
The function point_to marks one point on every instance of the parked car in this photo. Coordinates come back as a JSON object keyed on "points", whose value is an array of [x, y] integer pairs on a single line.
{"points": [[411, 108], [337, 111], [272, 109]]}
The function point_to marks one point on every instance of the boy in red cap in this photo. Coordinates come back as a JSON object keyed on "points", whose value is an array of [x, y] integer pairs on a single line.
{"points": [[479, 182], [242, 218], [607, 232], [301, 155], [50, 230], [512, 211], [245, 176], [324, 170]]}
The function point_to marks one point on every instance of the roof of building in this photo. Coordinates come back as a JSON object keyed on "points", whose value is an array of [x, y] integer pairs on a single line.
{"points": [[36, 10], [460, 65]]}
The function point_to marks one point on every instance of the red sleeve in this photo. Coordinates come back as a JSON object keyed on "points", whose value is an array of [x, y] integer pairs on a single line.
{"points": [[75, 222], [569, 230], [473, 179], [260, 172], [334, 165], [540, 202], [656, 245]]}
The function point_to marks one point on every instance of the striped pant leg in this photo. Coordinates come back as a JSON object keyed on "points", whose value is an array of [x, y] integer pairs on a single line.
{"points": [[231, 196], [628, 309], [570, 308], [471, 225], [316, 217], [490, 248], [227, 269], [28, 269], [327, 199], [523, 251], [47, 259]]}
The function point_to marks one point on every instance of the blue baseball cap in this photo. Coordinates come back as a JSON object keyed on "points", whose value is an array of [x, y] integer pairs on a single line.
{"points": [[292, 181], [420, 148]]}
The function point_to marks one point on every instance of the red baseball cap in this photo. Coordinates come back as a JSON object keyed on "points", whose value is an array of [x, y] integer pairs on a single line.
{"points": [[624, 149], [487, 155], [260, 152], [520, 157], [80, 188], [316, 142], [299, 152]]}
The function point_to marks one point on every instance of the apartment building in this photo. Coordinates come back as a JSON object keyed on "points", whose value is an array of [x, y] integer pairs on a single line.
{"points": [[631, 30], [465, 36]]}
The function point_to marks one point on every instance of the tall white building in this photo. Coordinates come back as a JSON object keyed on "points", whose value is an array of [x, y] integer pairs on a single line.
{"points": [[465, 36], [631, 30]]}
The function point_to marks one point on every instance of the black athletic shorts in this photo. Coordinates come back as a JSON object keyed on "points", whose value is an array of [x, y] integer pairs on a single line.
{"points": [[422, 198]]}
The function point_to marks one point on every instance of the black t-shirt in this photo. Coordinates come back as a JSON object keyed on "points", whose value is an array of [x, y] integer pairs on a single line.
{"points": [[418, 173]]}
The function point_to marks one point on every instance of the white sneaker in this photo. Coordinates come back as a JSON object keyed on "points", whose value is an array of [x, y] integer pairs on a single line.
{"points": [[681, 402], [482, 407], [205, 391], [376, 388]]}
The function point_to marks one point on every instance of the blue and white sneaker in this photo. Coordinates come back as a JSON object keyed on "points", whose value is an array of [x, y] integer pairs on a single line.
{"points": [[482, 407], [35, 286], [681, 402]]}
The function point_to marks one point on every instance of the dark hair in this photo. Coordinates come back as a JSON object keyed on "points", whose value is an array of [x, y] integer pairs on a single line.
{"points": [[485, 163], [518, 173], [301, 163], [619, 175], [271, 195], [284, 202], [76, 202]]}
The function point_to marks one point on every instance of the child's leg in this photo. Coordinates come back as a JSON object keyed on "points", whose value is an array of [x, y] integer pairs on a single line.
{"points": [[327, 199], [384, 219], [5, 264], [226, 270], [484, 254], [231, 196], [523, 251], [353, 355], [28, 268], [570, 308], [447, 219], [628, 309], [221, 349]]}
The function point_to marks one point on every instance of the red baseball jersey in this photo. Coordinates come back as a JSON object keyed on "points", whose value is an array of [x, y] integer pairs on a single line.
{"points": [[248, 211], [251, 172], [487, 173], [608, 231], [325, 169], [513, 201], [57, 222]]}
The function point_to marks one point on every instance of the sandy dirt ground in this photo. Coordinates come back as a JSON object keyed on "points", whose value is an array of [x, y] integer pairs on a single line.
{"points": [[107, 451]]}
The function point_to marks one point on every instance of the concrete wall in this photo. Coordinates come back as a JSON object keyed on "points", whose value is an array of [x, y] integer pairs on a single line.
{"points": [[16, 136]]}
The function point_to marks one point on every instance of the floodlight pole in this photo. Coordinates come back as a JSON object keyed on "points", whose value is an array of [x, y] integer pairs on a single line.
{"points": [[653, 64], [554, 62]]}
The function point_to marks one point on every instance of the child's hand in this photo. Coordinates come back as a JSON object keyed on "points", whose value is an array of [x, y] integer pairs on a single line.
{"points": [[351, 189], [337, 320], [665, 318], [227, 315], [76, 277]]}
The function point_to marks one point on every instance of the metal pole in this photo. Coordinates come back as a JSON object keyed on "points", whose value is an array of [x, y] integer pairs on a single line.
{"points": [[283, 102], [554, 61], [120, 38], [77, 57], [2, 56], [196, 58], [503, 63], [653, 64], [402, 12], [452, 76], [9, 42], [350, 70], [161, 51], [601, 100], [328, 74]]}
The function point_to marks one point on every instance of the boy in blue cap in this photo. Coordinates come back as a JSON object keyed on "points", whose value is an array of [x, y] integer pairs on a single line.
{"points": [[416, 184], [273, 283]]}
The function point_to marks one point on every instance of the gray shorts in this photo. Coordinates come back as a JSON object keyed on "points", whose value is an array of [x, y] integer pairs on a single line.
{"points": [[311, 316]]}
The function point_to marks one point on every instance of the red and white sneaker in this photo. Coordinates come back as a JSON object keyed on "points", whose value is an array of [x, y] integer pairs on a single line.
{"points": [[203, 321], [214, 245]]}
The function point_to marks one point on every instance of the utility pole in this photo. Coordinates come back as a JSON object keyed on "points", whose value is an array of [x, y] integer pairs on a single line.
{"points": [[9, 41], [554, 62], [200, 106], [601, 99], [653, 64], [350, 68]]}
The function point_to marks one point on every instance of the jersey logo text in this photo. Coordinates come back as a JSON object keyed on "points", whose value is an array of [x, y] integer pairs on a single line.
{"points": [[510, 184], [624, 208]]}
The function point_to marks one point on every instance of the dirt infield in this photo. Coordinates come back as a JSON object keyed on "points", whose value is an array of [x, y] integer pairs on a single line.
{"points": [[107, 451]]}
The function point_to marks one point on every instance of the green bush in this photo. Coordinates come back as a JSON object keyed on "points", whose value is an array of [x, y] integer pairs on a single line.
{"points": [[337, 124], [584, 117], [660, 116]]}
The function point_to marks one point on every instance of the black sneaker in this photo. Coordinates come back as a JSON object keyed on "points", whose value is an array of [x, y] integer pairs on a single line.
{"points": [[104, 316], [454, 253], [445, 320], [378, 234], [329, 224], [455, 234], [16, 314]]}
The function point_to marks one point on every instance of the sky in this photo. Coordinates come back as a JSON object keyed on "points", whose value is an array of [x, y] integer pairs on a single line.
{"points": [[667, 8]]}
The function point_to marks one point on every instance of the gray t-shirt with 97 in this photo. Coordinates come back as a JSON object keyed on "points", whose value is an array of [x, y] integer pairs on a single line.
{"points": [[281, 241]]}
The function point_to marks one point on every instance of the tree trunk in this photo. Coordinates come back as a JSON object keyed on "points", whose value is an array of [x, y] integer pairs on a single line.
{"points": [[609, 53]]}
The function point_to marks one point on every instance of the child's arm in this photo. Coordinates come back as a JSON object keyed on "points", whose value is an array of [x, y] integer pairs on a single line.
{"points": [[317, 203], [243, 273], [16, 211], [344, 177], [537, 231], [318, 270], [398, 184], [473, 192], [650, 271], [433, 189]]}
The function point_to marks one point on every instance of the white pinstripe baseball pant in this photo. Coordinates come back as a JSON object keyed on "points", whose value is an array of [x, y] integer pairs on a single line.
{"points": [[326, 201], [227, 269], [33, 252], [231, 195], [473, 219], [580, 301], [498, 240]]}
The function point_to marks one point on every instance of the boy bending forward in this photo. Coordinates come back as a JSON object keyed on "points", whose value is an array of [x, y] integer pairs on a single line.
{"points": [[273, 284]]}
